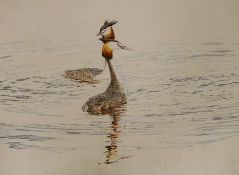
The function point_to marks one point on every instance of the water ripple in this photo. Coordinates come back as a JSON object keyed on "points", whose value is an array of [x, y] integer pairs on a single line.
{"points": [[179, 93]]}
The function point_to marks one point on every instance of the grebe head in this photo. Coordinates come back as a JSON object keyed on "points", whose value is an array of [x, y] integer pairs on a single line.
{"points": [[106, 25]]}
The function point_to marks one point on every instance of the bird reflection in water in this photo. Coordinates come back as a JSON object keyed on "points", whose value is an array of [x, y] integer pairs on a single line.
{"points": [[113, 136], [112, 148]]}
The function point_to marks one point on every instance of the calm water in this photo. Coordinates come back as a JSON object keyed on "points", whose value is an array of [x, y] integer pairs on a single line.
{"points": [[179, 94]]}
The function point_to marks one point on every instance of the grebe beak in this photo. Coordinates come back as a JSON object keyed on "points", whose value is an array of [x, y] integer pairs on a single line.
{"points": [[101, 32]]}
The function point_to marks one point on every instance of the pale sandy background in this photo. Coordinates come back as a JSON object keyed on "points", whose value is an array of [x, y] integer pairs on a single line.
{"points": [[146, 21]]}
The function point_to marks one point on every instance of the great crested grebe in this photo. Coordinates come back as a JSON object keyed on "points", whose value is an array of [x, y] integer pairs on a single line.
{"points": [[114, 95]]}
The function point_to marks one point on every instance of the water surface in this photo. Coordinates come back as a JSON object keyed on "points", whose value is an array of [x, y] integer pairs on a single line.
{"points": [[180, 94]]}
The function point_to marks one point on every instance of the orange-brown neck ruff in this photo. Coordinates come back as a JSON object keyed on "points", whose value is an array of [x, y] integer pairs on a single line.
{"points": [[107, 51], [110, 35]]}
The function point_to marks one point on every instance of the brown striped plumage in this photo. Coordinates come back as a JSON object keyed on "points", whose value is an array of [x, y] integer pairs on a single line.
{"points": [[84, 74], [113, 97]]}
